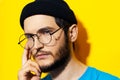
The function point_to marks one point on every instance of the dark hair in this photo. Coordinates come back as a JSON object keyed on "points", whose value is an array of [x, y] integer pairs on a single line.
{"points": [[65, 25]]}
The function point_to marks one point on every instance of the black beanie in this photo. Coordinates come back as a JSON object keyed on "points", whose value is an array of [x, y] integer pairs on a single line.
{"points": [[55, 8]]}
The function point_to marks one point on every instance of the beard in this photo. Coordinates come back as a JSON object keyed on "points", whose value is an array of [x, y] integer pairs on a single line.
{"points": [[63, 55]]}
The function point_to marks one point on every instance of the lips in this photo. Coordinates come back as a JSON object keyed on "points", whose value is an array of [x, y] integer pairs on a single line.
{"points": [[42, 55]]}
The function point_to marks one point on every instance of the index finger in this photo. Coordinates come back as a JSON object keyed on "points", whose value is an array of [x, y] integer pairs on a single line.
{"points": [[26, 56]]}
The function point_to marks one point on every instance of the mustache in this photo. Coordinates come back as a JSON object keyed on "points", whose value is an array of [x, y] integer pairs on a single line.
{"points": [[40, 52]]}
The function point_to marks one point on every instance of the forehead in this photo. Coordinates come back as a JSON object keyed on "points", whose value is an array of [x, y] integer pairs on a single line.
{"points": [[36, 22]]}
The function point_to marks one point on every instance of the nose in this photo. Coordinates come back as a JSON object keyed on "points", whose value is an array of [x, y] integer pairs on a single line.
{"points": [[37, 43]]}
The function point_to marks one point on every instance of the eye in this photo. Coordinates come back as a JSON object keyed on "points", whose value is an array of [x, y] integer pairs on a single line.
{"points": [[29, 36], [45, 31]]}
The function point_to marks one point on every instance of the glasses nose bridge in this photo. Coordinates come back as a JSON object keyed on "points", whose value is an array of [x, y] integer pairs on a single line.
{"points": [[37, 43], [35, 36]]}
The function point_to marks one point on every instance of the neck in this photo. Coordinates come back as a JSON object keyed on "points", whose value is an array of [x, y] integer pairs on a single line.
{"points": [[71, 70]]}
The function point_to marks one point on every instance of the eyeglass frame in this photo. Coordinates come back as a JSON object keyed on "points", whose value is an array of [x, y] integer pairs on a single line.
{"points": [[50, 33]]}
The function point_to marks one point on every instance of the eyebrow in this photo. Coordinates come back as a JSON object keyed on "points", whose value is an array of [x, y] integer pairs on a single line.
{"points": [[45, 28]]}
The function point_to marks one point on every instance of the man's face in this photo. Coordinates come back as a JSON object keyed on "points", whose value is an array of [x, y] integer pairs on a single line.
{"points": [[54, 54]]}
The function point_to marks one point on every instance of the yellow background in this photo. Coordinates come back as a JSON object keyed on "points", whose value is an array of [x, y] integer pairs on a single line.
{"points": [[98, 42]]}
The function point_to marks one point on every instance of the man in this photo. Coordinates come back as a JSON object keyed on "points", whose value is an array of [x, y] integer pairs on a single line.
{"points": [[50, 30]]}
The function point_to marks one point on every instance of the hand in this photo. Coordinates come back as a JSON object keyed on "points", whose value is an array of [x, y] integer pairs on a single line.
{"points": [[30, 69]]}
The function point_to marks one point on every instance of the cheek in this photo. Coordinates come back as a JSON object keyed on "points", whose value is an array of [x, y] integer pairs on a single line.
{"points": [[55, 45], [56, 50]]}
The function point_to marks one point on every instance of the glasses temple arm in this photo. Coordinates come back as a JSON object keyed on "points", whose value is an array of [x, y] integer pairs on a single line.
{"points": [[21, 41]]}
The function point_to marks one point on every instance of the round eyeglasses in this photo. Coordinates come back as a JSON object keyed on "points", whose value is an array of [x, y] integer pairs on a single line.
{"points": [[44, 36]]}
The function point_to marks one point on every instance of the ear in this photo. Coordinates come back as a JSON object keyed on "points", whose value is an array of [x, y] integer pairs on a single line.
{"points": [[73, 33]]}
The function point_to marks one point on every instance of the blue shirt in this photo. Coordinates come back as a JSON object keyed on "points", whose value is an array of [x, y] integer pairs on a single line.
{"points": [[92, 74]]}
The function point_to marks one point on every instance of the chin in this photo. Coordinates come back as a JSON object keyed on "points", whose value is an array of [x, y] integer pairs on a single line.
{"points": [[46, 67]]}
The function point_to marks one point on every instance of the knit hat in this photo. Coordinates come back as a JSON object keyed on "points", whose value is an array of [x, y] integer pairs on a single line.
{"points": [[55, 8]]}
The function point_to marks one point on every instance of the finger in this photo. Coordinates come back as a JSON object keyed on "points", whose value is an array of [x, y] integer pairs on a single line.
{"points": [[26, 73], [30, 70], [33, 64], [25, 56], [26, 53], [35, 78]]}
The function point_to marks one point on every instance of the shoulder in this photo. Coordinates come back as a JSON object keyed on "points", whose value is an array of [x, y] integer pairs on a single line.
{"points": [[95, 74]]}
